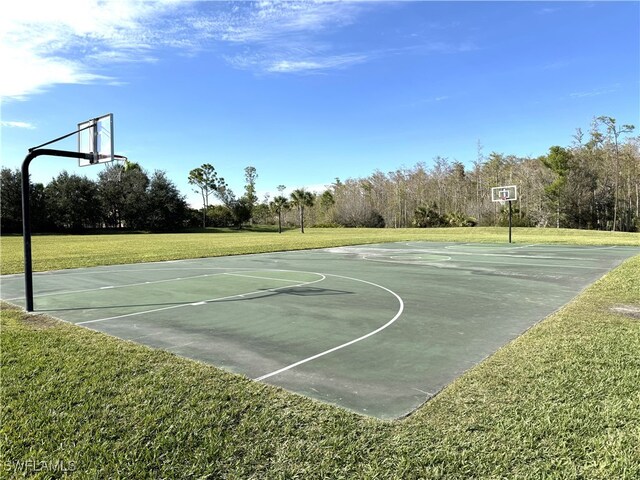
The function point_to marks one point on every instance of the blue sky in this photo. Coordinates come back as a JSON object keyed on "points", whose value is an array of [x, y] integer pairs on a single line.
{"points": [[309, 91]]}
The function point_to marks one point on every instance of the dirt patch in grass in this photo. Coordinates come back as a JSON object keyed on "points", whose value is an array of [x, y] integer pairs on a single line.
{"points": [[34, 321], [40, 322], [632, 311]]}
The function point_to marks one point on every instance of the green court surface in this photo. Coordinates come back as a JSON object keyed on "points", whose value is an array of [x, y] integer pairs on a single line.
{"points": [[378, 329]]}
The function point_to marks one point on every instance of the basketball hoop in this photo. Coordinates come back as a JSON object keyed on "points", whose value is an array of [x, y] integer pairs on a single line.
{"points": [[95, 145], [503, 195]]}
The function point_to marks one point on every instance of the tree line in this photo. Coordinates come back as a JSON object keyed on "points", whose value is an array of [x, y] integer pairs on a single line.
{"points": [[123, 197], [592, 184]]}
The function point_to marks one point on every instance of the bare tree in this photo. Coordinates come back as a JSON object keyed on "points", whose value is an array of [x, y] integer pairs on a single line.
{"points": [[614, 134]]}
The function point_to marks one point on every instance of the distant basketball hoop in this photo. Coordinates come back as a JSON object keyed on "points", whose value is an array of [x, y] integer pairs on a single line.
{"points": [[504, 195]]}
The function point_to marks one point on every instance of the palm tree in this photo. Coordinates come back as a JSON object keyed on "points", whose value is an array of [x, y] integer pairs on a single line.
{"points": [[278, 205], [128, 166], [301, 198]]}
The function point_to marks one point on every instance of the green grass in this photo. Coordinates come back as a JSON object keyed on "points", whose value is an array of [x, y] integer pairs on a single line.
{"points": [[561, 401], [54, 252]]}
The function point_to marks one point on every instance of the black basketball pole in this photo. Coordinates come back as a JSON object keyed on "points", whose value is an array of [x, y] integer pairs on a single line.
{"points": [[509, 221], [26, 213]]}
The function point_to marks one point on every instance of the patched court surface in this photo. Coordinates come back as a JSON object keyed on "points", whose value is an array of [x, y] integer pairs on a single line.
{"points": [[377, 329]]}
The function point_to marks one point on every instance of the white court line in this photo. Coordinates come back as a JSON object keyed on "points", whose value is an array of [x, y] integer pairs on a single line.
{"points": [[107, 269], [442, 254], [179, 346], [418, 250], [422, 391], [513, 255], [417, 247], [558, 246], [598, 248], [344, 345], [556, 265], [428, 263], [202, 302], [137, 284], [527, 246], [490, 245], [255, 276]]}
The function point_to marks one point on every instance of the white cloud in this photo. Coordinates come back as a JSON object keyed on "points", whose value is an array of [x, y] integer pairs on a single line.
{"points": [[12, 124], [315, 64], [422, 102], [28, 73], [283, 37], [557, 65], [43, 43], [594, 93], [546, 11], [294, 66], [260, 22]]}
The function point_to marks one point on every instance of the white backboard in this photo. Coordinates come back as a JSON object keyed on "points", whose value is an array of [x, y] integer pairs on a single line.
{"points": [[504, 194], [96, 136]]}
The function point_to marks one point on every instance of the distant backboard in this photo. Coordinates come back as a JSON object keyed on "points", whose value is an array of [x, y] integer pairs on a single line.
{"points": [[96, 136], [504, 194]]}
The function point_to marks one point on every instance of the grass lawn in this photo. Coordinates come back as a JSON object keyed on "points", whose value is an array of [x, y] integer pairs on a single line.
{"points": [[561, 401], [54, 252]]}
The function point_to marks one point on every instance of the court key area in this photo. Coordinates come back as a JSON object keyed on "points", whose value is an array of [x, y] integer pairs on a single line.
{"points": [[377, 329]]}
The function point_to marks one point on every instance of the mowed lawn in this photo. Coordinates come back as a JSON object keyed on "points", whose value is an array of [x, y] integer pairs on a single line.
{"points": [[54, 252], [561, 401]]}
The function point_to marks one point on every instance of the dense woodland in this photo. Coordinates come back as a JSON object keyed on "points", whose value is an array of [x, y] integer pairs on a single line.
{"points": [[594, 183]]}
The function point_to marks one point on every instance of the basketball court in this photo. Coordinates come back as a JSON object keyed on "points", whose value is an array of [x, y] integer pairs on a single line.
{"points": [[377, 329]]}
